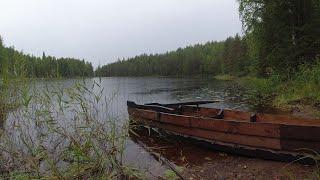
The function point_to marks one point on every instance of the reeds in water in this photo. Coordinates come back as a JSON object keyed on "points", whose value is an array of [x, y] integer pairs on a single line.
{"points": [[64, 133]]}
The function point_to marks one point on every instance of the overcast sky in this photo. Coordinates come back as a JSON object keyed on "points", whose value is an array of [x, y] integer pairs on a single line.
{"points": [[101, 31]]}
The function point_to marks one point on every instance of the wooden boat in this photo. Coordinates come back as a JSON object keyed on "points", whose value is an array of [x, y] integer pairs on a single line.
{"points": [[267, 136]]}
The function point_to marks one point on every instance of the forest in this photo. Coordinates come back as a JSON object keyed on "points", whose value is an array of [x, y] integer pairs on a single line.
{"points": [[229, 56], [279, 37], [17, 64]]}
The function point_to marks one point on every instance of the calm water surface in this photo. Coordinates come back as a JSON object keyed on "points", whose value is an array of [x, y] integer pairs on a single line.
{"points": [[143, 151], [162, 90]]}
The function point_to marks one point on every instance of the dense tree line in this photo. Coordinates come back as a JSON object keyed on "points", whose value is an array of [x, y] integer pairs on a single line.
{"points": [[279, 37], [283, 34], [17, 64], [209, 58]]}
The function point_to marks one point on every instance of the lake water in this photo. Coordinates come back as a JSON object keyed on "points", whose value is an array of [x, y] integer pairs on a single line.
{"points": [[119, 90], [162, 90], [170, 90], [143, 151]]}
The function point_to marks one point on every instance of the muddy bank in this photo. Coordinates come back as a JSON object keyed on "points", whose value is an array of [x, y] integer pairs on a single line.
{"points": [[199, 162]]}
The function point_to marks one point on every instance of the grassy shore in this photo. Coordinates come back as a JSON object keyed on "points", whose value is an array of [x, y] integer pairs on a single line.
{"points": [[300, 92]]}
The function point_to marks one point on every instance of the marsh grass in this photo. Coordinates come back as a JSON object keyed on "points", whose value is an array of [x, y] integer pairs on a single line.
{"points": [[58, 133], [8, 98]]}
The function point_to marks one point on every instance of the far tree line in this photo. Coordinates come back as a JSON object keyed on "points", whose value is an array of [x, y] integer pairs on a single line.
{"points": [[280, 36], [229, 56], [14, 63]]}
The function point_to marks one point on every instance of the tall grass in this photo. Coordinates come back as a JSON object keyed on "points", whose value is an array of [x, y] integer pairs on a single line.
{"points": [[58, 133], [8, 98], [261, 92], [302, 88], [282, 92]]}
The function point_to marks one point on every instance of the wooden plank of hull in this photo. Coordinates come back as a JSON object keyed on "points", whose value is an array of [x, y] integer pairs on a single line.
{"points": [[281, 119], [176, 120], [280, 131], [245, 116], [234, 127], [265, 130], [238, 132], [237, 139], [307, 133], [214, 136], [292, 145], [224, 147], [142, 114]]}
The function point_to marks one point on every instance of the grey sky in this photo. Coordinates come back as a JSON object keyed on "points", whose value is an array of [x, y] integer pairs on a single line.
{"points": [[101, 31]]}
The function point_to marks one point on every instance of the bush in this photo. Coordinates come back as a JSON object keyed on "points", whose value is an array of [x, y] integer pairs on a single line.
{"points": [[261, 92]]}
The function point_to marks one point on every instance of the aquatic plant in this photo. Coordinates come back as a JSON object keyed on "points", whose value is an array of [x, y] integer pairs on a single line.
{"points": [[64, 133]]}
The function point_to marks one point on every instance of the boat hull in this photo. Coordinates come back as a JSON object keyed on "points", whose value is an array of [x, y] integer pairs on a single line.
{"points": [[231, 148], [263, 140]]}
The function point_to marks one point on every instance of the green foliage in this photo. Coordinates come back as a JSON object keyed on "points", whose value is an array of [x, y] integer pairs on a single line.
{"points": [[303, 88], [261, 92], [210, 58], [278, 91], [284, 34]]}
